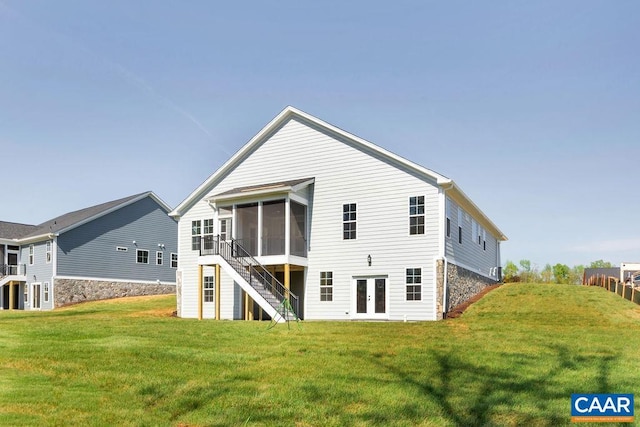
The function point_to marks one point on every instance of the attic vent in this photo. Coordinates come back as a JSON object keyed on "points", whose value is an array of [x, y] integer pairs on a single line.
{"points": [[121, 249]]}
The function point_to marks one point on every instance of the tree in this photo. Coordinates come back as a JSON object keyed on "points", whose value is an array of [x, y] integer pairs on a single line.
{"points": [[576, 274], [561, 273], [510, 272], [547, 274], [600, 264]]}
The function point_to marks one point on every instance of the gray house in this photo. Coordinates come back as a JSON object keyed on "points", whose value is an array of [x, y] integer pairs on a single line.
{"points": [[120, 248]]}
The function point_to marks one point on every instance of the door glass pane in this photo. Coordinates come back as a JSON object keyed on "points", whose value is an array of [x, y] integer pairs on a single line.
{"points": [[361, 296], [380, 295]]}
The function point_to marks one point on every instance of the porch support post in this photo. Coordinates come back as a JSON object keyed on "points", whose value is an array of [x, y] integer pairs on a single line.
{"points": [[200, 269], [217, 291], [246, 306], [10, 296], [287, 279]]}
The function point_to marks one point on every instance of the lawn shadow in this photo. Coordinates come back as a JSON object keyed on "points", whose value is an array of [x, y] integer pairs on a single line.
{"points": [[493, 394]]}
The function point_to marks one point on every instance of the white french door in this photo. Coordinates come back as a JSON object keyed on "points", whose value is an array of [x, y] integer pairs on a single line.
{"points": [[35, 295], [369, 298]]}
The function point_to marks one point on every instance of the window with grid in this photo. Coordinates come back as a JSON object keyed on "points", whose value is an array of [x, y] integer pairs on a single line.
{"points": [[349, 221], [416, 215], [142, 256], [414, 284], [46, 291], [208, 288], [174, 260], [207, 233], [326, 286], [48, 251], [196, 231], [159, 258]]}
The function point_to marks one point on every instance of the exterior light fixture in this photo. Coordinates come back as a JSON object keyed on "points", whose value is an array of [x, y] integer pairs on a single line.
{"points": [[369, 260]]}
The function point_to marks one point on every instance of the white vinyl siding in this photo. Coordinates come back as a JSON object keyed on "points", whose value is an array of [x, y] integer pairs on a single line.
{"points": [[343, 174]]}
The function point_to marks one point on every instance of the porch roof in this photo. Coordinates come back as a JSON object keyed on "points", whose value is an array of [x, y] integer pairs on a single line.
{"points": [[262, 189]]}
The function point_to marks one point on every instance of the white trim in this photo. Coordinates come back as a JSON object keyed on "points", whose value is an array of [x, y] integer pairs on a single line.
{"points": [[161, 259], [122, 249], [452, 260], [148, 253], [54, 259], [31, 254], [48, 253], [104, 279], [171, 260]]}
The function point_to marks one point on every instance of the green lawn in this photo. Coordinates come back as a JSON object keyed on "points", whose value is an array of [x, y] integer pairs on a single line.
{"points": [[513, 358]]}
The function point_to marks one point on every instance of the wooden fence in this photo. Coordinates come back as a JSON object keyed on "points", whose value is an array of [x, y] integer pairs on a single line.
{"points": [[613, 284]]}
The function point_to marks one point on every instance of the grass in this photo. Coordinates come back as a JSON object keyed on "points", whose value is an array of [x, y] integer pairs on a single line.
{"points": [[513, 358]]}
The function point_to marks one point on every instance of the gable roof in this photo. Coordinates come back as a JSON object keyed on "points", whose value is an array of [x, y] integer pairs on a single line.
{"points": [[13, 230], [71, 220], [291, 112], [270, 188]]}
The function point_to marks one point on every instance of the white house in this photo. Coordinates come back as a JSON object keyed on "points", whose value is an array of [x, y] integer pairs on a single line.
{"points": [[308, 218]]}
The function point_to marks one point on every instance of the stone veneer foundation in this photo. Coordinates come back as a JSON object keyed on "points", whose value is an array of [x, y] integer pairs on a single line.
{"points": [[462, 285], [72, 291]]}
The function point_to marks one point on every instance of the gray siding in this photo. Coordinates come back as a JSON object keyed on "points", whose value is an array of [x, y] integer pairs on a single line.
{"points": [[470, 254], [90, 249], [39, 272]]}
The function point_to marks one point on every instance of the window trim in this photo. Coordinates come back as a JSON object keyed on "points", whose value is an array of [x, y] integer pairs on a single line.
{"points": [[48, 252], [208, 289], [326, 285], [45, 291], [159, 258], [174, 260], [420, 217], [32, 255], [138, 251], [196, 225], [352, 223], [413, 280]]}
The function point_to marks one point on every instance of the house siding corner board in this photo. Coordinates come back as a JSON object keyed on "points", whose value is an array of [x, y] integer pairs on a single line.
{"points": [[470, 254], [343, 174], [91, 250]]}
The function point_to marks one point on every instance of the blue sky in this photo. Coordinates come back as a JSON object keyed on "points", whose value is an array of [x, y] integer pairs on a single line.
{"points": [[533, 108]]}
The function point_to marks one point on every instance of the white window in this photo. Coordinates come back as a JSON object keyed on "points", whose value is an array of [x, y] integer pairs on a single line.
{"points": [[121, 249], [48, 251], [326, 286], [207, 234], [195, 235], [208, 288], [174, 260], [159, 258], [414, 284], [474, 230], [26, 294], [45, 291], [142, 256], [416, 215], [31, 255], [349, 221], [225, 229]]}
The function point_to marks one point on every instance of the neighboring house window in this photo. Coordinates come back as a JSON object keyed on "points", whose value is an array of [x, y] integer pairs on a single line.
{"points": [[459, 225], [48, 256], [159, 258], [448, 227], [484, 239], [121, 249], [326, 286], [26, 294], [460, 234], [174, 260], [142, 256], [31, 256], [349, 221], [416, 215], [195, 235], [414, 284], [46, 291], [208, 289]]}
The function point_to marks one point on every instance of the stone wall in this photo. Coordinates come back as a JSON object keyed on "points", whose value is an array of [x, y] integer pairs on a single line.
{"points": [[463, 284], [72, 291]]}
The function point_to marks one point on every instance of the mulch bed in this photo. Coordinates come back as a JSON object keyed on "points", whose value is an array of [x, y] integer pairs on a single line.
{"points": [[459, 309]]}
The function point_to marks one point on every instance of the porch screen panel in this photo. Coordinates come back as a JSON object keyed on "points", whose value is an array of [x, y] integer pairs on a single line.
{"points": [[247, 227], [273, 227], [298, 225]]}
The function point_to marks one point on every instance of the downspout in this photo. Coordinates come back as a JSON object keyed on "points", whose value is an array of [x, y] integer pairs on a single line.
{"points": [[445, 282]]}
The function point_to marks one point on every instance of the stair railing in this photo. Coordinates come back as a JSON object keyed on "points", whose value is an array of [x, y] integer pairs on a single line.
{"points": [[251, 270]]}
